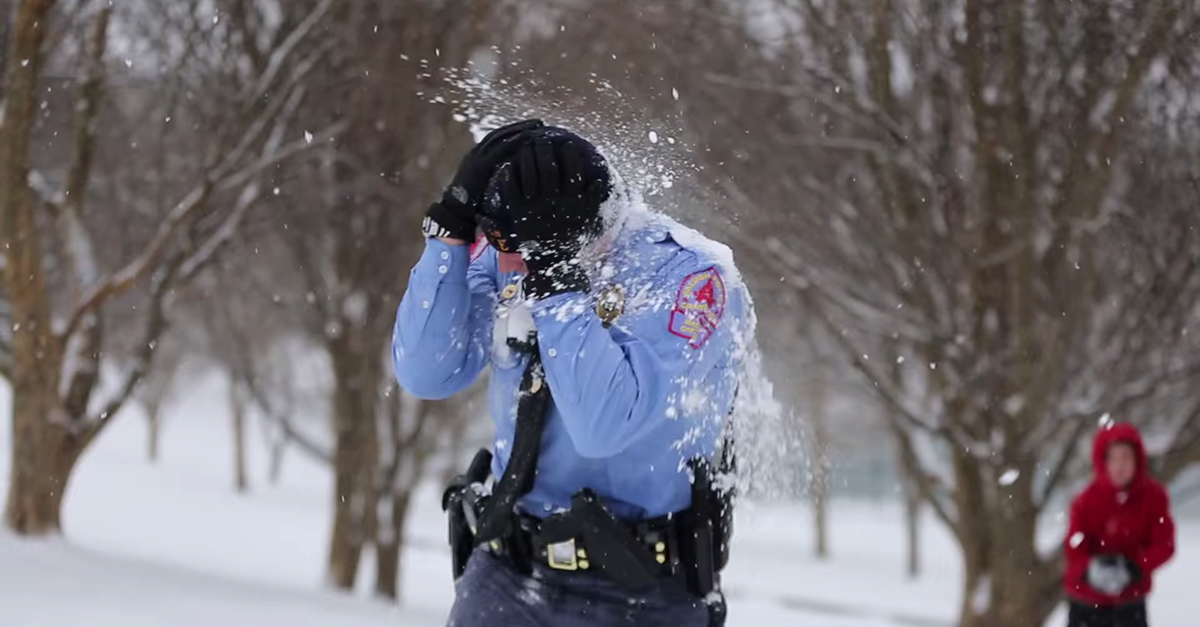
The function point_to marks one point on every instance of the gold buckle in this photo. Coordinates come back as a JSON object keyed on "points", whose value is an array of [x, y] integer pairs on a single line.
{"points": [[561, 555]]}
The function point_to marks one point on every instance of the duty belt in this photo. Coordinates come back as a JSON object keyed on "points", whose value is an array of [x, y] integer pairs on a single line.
{"points": [[658, 537], [588, 538]]}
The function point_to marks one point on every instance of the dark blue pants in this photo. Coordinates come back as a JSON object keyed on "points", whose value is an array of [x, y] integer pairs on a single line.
{"points": [[491, 594]]}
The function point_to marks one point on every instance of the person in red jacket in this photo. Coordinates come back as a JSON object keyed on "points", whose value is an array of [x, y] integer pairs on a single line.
{"points": [[1120, 532]]}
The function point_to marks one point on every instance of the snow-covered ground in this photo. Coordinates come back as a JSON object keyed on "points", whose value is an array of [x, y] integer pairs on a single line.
{"points": [[173, 545]]}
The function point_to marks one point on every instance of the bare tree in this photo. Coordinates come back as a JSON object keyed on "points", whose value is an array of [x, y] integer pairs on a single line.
{"points": [[353, 228], [968, 200], [53, 355]]}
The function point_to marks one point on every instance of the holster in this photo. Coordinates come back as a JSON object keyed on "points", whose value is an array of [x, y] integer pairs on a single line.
{"points": [[611, 544], [711, 519], [461, 503]]}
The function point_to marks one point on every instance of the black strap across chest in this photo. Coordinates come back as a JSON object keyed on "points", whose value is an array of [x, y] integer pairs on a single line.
{"points": [[533, 403]]}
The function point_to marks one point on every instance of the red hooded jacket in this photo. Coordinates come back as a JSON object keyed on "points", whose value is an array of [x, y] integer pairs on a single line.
{"points": [[1135, 522]]}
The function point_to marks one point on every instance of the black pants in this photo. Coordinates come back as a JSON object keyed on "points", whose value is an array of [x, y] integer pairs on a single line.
{"points": [[1128, 615]]}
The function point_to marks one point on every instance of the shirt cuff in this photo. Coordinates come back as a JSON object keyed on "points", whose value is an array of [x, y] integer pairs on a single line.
{"points": [[443, 263]]}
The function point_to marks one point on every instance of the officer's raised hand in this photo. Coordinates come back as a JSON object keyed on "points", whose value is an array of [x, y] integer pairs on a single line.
{"points": [[454, 216], [554, 189]]}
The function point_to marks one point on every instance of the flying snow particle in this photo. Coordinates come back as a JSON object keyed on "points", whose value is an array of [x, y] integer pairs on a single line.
{"points": [[653, 137], [1106, 420], [1076, 539], [308, 137], [900, 359], [128, 62], [675, 93], [275, 191], [1010, 476], [24, 62]]}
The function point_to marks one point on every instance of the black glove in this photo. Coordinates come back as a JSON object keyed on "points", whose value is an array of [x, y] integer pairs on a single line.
{"points": [[555, 210], [454, 215]]}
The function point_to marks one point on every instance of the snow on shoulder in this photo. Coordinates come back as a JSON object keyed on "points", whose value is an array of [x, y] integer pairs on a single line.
{"points": [[626, 211]]}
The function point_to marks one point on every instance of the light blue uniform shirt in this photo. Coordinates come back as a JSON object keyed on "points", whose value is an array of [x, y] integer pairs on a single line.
{"points": [[631, 402]]}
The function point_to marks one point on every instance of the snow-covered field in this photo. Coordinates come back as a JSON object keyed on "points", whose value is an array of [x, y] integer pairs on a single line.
{"points": [[173, 545]]}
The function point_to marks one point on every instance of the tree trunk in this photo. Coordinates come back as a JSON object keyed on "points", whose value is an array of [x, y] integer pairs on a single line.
{"points": [[912, 522], [819, 480], [153, 422], [237, 406], [1005, 583], [276, 470], [389, 554], [6, 13], [356, 455], [456, 450], [43, 449], [44, 453]]}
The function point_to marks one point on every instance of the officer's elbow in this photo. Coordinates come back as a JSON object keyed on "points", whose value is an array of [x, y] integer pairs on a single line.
{"points": [[424, 389], [418, 379]]}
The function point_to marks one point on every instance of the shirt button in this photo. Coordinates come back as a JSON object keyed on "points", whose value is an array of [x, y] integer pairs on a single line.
{"points": [[442, 269], [552, 352], [425, 305], [445, 255]]}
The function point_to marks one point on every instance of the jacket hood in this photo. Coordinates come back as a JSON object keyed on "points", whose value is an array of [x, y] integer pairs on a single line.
{"points": [[1121, 432]]}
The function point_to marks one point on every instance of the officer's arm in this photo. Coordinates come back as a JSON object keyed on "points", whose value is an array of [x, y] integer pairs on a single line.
{"points": [[443, 327], [612, 392]]}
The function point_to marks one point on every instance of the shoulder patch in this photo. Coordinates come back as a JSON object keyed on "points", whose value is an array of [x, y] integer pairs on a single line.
{"points": [[698, 306]]}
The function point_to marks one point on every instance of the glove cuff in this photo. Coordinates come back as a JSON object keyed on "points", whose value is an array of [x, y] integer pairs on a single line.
{"points": [[442, 221]]}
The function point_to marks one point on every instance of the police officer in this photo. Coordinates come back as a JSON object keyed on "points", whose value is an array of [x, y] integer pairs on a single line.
{"points": [[613, 335]]}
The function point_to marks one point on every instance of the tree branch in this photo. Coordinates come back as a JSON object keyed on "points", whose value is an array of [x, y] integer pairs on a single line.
{"points": [[82, 351], [179, 217], [316, 451], [156, 324], [920, 478], [1060, 466]]}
